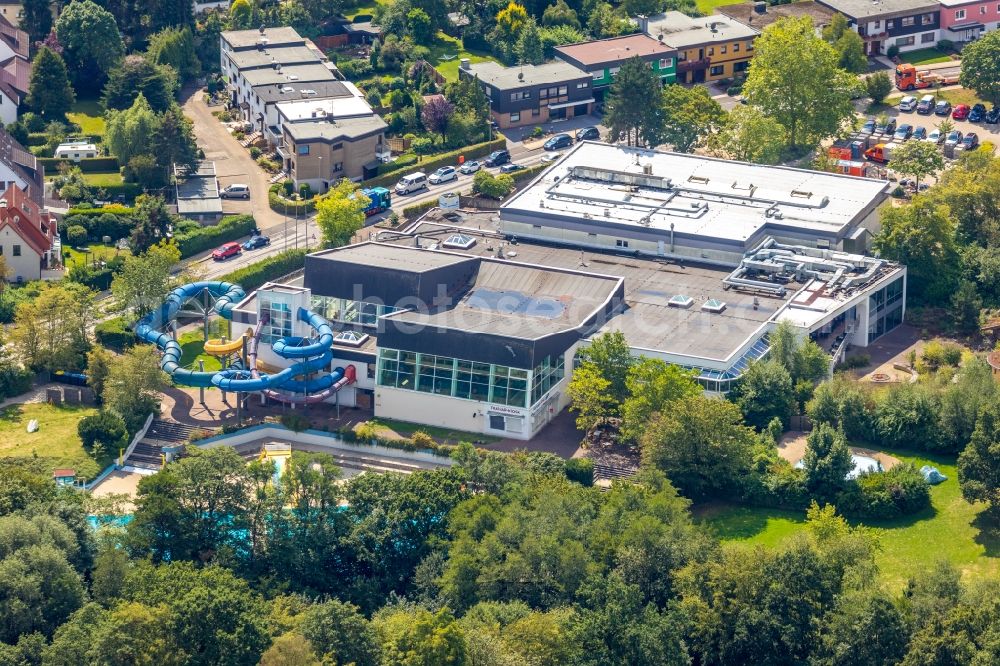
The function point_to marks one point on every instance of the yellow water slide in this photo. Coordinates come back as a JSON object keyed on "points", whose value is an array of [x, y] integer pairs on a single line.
{"points": [[225, 347]]}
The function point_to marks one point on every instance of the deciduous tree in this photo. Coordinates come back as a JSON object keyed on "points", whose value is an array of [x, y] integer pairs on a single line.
{"points": [[981, 67], [748, 135], [92, 43], [690, 115], [589, 395], [340, 213], [796, 79], [827, 461], [130, 132], [36, 19], [878, 86], [653, 386], [133, 385], [918, 159], [979, 463], [144, 279], [764, 392], [436, 114], [921, 235]]}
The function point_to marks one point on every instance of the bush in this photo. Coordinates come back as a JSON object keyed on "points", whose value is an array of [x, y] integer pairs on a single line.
{"points": [[96, 277], [114, 334], [204, 238], [900, 491], [281, 204], [537, 132], [255, 152], [354, 69], [937, 355], [945, 45], [87, 165], [295, 422], [288, 185], [102, 432], [580, 470], [423, 146], [253, 276], [305, 191], [854, 362], [419, 209], [14, 381], [892, 51], [76, 235], [494, 187], [268, 165], [422, 440]]}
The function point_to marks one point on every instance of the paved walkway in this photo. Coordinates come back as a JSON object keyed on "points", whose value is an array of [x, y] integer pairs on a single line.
{"points": [[560, 437], [36, 394], [232, 161]]}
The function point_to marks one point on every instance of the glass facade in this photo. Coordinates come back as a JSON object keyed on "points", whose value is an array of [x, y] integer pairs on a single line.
{"points": [[469, 380], [885, 310], [278, 310], [350, 312]]}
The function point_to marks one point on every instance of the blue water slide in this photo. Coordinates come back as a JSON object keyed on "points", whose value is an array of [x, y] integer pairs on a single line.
{"points": [[302, 347], [226, 295]]}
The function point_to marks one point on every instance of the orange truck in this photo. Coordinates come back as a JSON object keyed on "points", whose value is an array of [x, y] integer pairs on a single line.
{"points": [[909, 77], [880, 152]]}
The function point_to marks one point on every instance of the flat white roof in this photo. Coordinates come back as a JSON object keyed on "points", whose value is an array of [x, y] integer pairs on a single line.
{"points": [[318, 109], [696, 195]]}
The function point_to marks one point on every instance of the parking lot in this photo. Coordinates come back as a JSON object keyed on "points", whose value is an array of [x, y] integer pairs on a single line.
{"points": [[984, 131]]}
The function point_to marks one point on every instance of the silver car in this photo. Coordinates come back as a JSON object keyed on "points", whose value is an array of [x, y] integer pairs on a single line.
{"points": [[470, 167]]}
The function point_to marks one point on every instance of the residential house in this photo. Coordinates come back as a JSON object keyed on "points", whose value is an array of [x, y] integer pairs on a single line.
{"points": [[603, 57], [20, 168], [15, 69], [709, 48], [761, 14], [963, 21], [533, 94], [906, 24], [271, 96], [322, 151], [27, 236]]}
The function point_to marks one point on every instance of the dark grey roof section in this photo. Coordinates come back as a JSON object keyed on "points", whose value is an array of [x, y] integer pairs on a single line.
{"points": [[317, 90], [269, 37], [343, 128], [859, 9]]}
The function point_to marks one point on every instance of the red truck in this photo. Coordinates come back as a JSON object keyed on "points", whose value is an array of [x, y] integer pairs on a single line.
{"points": [[909, 77]]}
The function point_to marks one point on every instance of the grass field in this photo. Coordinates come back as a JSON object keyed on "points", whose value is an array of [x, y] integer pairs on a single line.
{"points": [[706, 7], [387, 427], [450, 47], [193, 350], [89, 116], [55, 440], [103, 179], [98, 252], [949, 530], [367, 7], [924, 57]]}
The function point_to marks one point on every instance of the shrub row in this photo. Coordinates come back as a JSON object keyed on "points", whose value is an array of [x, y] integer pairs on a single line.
{"points": [[444, 159], [87, 165], [900, 491], [424, 444], [14, 381], [530, 172], [204, 238], [97, 226], [115, 334], [280, 204], [98, 278], [416, 210], [253, 276], [114, 209]]}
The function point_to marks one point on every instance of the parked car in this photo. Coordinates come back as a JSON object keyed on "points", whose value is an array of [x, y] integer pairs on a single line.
{"points": [[588, 134], [903, 132], [226, 250], [235, 191], [977, 113], [888, 128], [992, 116], [868, 127], [510, 168], [970, 141], [954, 138], [942, 108], [960, 112], [926, 105], [443, 175], [498, 157], [411, 183], [548, 158], [908, 103], [935, 136], [256, 242], [919, 133], [472, 166], [558, 141]]}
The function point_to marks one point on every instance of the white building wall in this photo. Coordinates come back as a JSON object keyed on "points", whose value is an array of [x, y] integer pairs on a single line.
{"points": [[27, 266]]}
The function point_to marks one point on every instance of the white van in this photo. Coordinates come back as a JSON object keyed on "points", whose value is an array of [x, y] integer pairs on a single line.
{"points": [[235, 191], [412, 183]]}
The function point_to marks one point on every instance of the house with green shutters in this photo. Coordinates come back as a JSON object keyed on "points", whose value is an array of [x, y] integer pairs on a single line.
{"points": [[603, 57]]}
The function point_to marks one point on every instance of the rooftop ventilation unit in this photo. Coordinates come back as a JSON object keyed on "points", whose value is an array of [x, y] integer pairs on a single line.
{"points": [[801, 194], [713, 305], [459, 242], [701, 180], [680, 301]]}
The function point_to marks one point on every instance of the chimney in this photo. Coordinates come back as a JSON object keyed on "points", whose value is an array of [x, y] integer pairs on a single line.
{"points": [[760, 7], [643, 22], [464, 63]]}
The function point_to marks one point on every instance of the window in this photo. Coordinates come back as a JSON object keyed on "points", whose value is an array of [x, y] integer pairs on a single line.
{"points": [[749, 46], [878, 24], [582, 84], [724, 48], [982, 10], [518, 96], [543, 93], [682, 56], [536, 112], [279, 317], [907, 21], [927, 19], [338, 166], [303, 150], [905, 41], [614, 70], [598, 75], [889, 25], [717, 70], [959, 14], [736, 47], [741, 66], [621, 243], [515, 117], [711, 50], [664, 63], [337, 146], [563, 90], [927, 38], [17, 251]]}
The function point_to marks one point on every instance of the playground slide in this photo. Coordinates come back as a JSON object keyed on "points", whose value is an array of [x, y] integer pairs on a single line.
{"points": [[226, 295]]}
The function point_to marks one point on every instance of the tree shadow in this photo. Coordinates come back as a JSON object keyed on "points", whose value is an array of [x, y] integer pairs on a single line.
{"points": [[13, 413], [729, 521], [988, 535]]}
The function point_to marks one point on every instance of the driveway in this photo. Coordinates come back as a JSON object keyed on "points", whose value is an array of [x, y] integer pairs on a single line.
{"points": [[232, 161]]}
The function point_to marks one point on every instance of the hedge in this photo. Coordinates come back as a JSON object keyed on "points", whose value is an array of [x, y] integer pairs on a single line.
{"points": [[115, 334], [281, 205], [98, 278], [416, 210], [14, 381], [99, 226], [114, 209], [530, 172], [204, 238], [435, 161], [253, 276], [87, 165]]}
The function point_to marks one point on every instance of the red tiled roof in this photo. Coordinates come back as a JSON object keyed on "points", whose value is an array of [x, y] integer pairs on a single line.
{"points": [[16, 72], [16, 39], [616, 48], [24, 164], [61, 472], [24, 217]]}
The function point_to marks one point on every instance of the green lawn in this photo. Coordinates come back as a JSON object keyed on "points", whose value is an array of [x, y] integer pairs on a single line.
{"points": [[949, 530], [98, 252], [706, 7], [89, 116], [451, 48], [192, 351], [366, 7], [923, 56], [103, 178], [55, 440], [406, 429]]}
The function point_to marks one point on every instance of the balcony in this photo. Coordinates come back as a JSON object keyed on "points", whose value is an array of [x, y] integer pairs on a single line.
{"points": [[868, 37], [283, 151], [692, 65]]}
